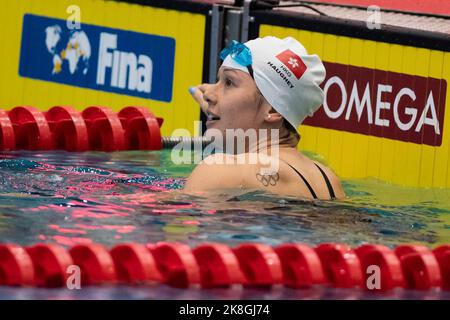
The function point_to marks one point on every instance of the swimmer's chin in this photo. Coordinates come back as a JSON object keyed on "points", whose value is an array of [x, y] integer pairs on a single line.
{"points": [[211, 123]]}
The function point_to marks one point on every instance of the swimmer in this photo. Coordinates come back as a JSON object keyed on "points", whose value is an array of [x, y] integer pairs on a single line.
{"points": [[267, 85]]}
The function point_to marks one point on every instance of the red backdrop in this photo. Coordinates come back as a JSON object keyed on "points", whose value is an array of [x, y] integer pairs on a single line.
{"points": [[426, 6]]}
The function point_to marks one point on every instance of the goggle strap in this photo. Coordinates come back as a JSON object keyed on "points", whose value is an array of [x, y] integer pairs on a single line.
{"points": [[250, 70]]}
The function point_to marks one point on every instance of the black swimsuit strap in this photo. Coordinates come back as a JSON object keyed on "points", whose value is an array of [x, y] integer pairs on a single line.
{"points": [[305, 181], [327, 181]]}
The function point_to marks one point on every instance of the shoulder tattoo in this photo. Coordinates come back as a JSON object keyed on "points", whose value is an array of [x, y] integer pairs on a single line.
{"points": [[268, 177]]}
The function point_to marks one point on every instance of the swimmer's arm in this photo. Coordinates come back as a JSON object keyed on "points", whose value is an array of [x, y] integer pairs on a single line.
{"points": [[197, 94]]}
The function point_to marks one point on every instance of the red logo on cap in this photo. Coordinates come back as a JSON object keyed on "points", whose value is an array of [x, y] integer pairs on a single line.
{"points": [[293, 62]]}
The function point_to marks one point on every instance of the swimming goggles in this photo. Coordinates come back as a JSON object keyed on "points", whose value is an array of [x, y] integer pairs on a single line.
{"points": [[240, 53]]}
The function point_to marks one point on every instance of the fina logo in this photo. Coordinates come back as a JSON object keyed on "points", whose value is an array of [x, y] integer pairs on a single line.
{"points": [[98, 58], [139, 68], [76, 51], [123, 65]]}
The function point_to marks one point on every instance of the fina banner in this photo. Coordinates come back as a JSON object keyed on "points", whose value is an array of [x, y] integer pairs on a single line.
{"points": [[98, 58]]}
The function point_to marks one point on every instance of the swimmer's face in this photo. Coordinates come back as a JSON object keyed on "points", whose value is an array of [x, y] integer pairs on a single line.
{"points": [[234, 102]]}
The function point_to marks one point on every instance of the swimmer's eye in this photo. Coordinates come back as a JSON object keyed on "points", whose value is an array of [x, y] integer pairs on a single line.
{"points": [[228, 82]]}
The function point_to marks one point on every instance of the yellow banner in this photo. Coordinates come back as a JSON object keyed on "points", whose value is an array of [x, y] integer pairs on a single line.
{"points": [[107, 62]]}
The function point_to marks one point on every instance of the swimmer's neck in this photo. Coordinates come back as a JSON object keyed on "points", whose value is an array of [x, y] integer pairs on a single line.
{"points": [[273, 146]]}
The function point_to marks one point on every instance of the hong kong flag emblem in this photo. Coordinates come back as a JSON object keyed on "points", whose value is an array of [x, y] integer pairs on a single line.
{"points": [[293, 62]]}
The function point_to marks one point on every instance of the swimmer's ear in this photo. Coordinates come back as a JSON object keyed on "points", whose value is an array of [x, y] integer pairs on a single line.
{"points": [[273, 117]]}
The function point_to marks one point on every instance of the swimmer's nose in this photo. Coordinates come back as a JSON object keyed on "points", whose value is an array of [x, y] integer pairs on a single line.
{"points": [[207, 99], [205, 96], [208, 95]]}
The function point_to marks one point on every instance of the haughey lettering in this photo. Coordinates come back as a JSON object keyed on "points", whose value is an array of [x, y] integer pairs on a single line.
{"points": [[283, 75]]}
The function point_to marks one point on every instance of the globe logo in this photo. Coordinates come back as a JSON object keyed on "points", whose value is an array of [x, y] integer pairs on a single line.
{"points": [[75, 51]]}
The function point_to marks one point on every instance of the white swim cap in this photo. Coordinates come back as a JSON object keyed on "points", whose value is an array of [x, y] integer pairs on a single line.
{"points": [[287, 76]]}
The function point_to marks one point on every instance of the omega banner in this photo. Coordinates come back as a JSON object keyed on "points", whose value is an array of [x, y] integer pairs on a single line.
{"points": [[383, 104]]}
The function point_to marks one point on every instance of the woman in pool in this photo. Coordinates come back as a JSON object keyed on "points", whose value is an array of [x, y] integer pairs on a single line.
{"points": [[267, 84]]}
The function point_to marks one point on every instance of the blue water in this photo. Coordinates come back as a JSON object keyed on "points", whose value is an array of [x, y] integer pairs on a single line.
{"points": [[71, 198]]}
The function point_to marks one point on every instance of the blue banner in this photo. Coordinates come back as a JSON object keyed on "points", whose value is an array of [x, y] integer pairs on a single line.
{"points": [[97, 58]]}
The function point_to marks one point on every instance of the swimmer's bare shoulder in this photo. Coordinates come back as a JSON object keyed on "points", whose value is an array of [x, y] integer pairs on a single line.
{"points": [[224, 173], [219, 172], [230, 174], [334, 180]]}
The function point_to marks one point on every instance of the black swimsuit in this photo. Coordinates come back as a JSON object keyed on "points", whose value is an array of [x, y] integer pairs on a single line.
{"points": [[327, 181]]}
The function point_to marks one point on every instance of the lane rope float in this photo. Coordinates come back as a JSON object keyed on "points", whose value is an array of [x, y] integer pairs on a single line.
{"points": [[96, 128], [213, 265]]}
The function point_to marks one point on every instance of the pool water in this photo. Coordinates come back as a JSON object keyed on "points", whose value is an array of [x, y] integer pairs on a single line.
{"points": [[77, 198]]}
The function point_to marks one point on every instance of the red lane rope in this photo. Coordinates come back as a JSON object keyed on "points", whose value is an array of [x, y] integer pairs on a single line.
{"points": [[217, 265], [208, 265], [64, 128]]}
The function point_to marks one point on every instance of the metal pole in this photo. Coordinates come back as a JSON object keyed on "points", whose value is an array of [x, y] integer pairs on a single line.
{"points": [[216, 37], [245, 20]]}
